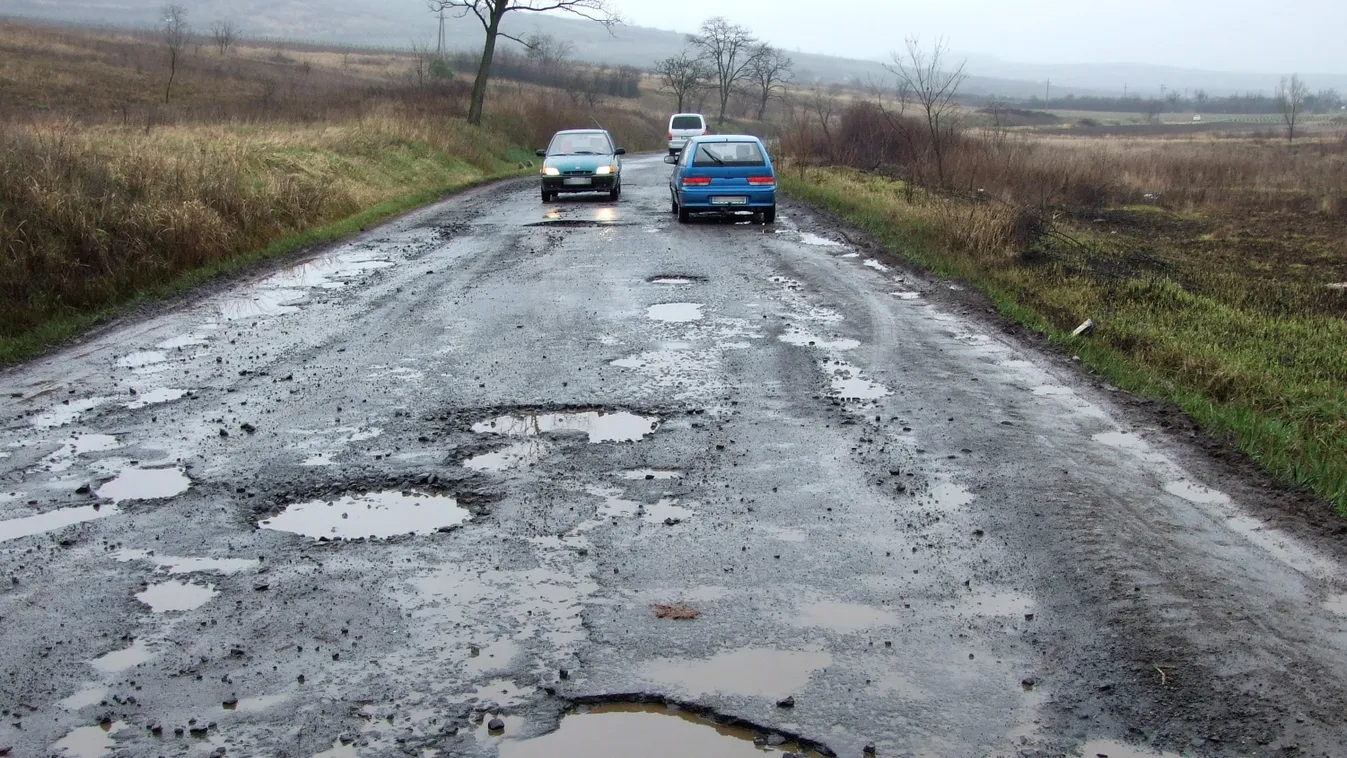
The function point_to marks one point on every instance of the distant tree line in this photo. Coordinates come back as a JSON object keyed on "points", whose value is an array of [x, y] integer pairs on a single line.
{"points": [[725, 59], [1249, 103]]}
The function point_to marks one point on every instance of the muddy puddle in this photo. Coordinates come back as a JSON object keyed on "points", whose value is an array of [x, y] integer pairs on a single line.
{"points": [[172, 564], [848, 383], [377, 515], [89, 741], [47, 522], [121, 660], [262, 304], [600, 426], [675, 313], [874, 264], [145, 484], [805, 339], [818, 241], [1196, 493], [649, 731], [84, 698], [259, 704], [142, 359], [843, 618], [518, 455], [675, 280], [68, 413], [651, 474], [750, 672], [175, 596], [156, 397], [907, 295], [1104, 749]]}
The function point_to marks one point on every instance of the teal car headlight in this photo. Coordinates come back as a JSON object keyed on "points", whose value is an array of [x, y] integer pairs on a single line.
{"points": [[605, 170], [551, 171]]}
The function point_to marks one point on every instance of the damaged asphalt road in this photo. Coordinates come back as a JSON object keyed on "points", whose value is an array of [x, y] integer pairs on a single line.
{"points": [[497, 462]]}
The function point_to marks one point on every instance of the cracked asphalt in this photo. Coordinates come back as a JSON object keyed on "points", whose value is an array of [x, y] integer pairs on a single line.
{"points": [[366, 503]]}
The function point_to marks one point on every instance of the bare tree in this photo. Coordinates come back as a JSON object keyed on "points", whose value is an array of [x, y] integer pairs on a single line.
{"points": [[491, 12], [924, 81], [728, 49], [224, 33], [1291, 95], [547, 52], [683, 76], [420, 62], [175, 33], [1153, 109], [769, 72]]}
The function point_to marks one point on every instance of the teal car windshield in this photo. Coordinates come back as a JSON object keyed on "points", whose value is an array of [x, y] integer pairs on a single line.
{"points": [[580, 144]]}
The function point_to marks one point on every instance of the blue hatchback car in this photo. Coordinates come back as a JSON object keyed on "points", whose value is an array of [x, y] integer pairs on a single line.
{"points": [[723, 174]]}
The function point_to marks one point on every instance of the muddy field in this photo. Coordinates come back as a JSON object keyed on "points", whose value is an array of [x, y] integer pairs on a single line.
{"points": [[512, 479]]}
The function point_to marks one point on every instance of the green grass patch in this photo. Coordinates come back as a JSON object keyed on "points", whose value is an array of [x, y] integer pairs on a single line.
{"points": [[1267, 373]]}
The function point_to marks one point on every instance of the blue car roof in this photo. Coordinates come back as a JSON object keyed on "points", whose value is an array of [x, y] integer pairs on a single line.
{"points": [[727, 138]]}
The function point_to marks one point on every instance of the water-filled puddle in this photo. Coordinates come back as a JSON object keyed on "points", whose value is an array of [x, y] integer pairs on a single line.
{"points": [[330, 272], [261, 303], [377, 515], [84, 698], [175, 565], [51, 521], [876, 265], [145, 484], [155, 397], [749, 672], [804, 339], [1196, 493], [600, 426], [907, 295], [121, 660], [672, 280], [68, 413], [515, 456], [142, 359], [181, 341], [1118, 750], [173, 595], [817, 241], [675, 313], [848, 384], [650, 473], [260, 703], [1049, 390], [649, 731], [89, 741], [843, 618]]}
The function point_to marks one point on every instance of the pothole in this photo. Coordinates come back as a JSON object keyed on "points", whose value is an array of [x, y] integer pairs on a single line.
{"points": [[118, 661], [676, 279], [173, 595], [89, 741], [749, 672], [675, 313], [600, 426], [651, 474], [46, 522], [378, 515], [1118, 750], [145, 484], [580, 223], [849, 384], [652, 731], [515, 456]]}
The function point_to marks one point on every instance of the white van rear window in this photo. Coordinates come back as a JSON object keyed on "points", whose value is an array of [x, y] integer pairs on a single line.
{"points": [[687, 122]]}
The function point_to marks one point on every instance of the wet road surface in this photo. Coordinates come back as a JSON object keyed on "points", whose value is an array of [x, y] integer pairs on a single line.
{"points": [[499, 462]]}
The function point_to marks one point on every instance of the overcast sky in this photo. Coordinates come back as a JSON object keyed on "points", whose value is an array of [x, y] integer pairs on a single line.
{"points": [[1228, 35]]}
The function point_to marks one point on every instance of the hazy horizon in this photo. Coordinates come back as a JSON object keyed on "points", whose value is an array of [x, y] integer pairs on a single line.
{"points": [[1230, 35]]}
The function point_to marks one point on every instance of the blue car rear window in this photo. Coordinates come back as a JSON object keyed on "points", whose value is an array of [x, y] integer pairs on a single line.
{"points": [[710, 154]]}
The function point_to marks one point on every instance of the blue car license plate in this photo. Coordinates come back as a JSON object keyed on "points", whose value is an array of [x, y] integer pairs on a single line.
{"points": [[729, 200]]}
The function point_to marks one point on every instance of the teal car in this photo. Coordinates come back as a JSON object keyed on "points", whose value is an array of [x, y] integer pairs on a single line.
{"points": [[581, 160]]}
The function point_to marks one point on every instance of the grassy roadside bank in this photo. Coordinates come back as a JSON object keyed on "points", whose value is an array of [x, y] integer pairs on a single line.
{"points": [[97, 219], [1259, 362]]}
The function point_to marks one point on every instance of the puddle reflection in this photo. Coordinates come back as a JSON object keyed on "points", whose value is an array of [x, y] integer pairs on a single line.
{"points": [[650, 731], [89, 741], [600, 426], [171, 596], [378, 515], [675, 313]]}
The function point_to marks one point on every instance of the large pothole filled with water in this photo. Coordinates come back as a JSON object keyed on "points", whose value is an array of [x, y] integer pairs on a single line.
{"points": [[376, 515], [652, 731], [599, 425]]}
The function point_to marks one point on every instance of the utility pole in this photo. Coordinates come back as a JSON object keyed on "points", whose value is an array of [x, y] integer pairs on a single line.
{"points": [[1047, 93], [439, 48]]}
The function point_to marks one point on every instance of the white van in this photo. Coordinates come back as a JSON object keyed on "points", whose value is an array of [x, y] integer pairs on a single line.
{"points": [[683, 126]]}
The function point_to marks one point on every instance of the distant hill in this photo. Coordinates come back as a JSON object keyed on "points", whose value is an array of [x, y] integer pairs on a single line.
{"points": [[397, 23]]}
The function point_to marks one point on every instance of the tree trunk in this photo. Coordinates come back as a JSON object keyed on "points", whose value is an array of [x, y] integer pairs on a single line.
{"points": [[762, 107], [484, 70], [172, 72], [724, 103]]}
